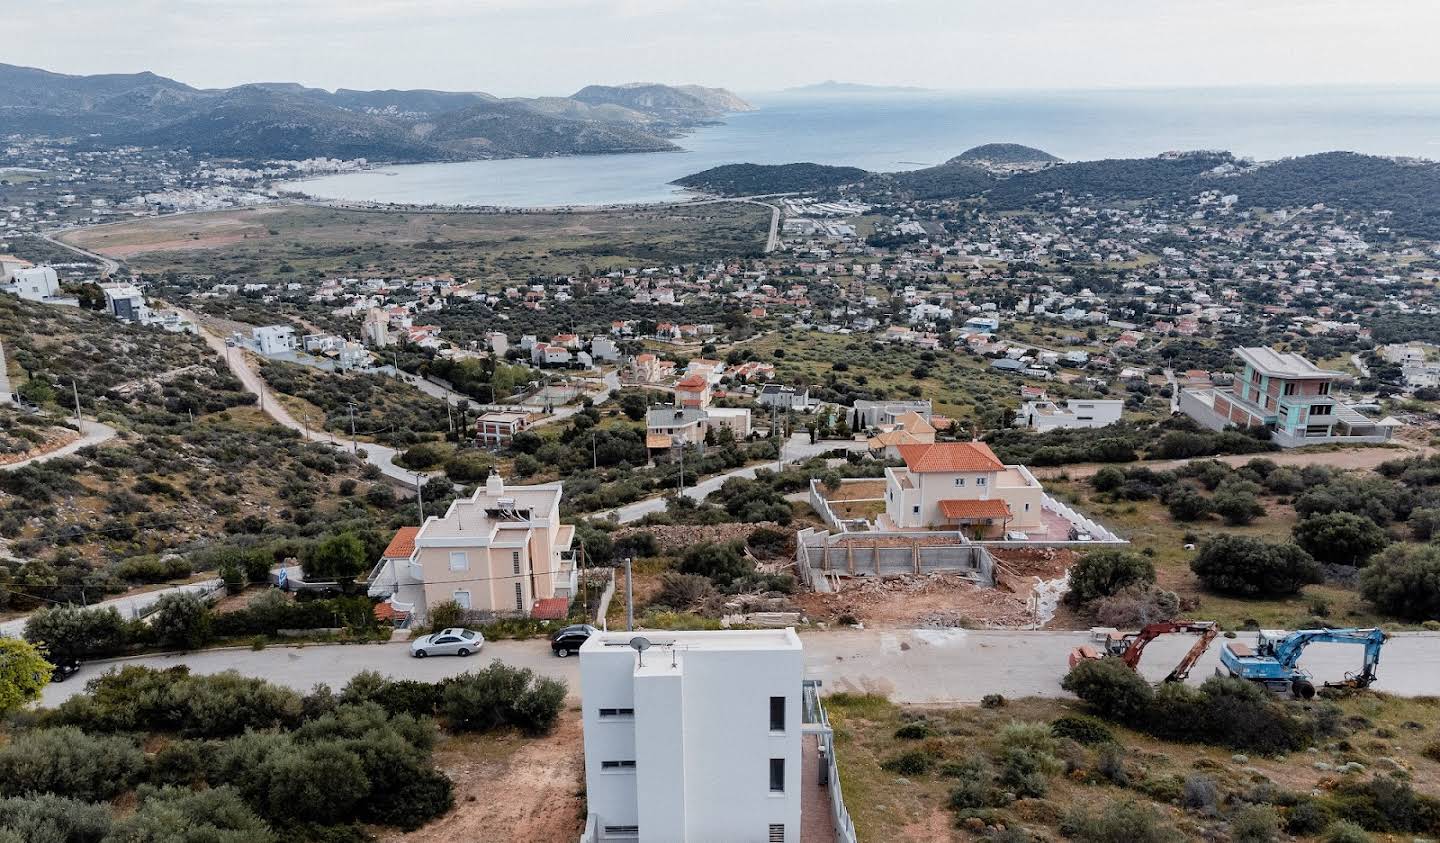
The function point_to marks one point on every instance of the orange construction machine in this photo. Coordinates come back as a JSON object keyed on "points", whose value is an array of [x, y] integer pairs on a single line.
{"points": [[1129, 648]]}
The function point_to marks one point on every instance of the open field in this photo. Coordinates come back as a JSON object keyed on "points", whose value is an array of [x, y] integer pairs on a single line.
{"points": [[886, 805], [293, 242]]}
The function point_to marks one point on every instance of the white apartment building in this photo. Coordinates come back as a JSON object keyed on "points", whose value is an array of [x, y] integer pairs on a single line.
{"points": [[37, 283], [1048, 415], [698, 738], [275, 339]]}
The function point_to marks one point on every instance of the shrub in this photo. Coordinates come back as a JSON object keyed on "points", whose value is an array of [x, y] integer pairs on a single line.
{"points": [[425, 455], [1186, 504], [1107, 479], [446, 614], [1255, 824], [181, 620], [1110, 687], [1424, 523], [215, 814], [501, 695], [23, 674], [1340, 538], [1345, 832], [1200, 794], [67, 762], [1081, 729], [46, 818], [721, 563], [1404, 580], [421, 793], [1235, 501], [915, 762], [1386, 804], [1251, 567], [138, 699], [919, 730], [991, 700], [1102, 573], [1136, 606], [682, 591], [341, 556], [395, 696], [1309, 816], [68, 632], [1025, 772], [1118, 822]]}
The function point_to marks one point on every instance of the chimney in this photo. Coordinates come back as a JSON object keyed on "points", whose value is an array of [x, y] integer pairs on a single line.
{"points": [[494, 485]]}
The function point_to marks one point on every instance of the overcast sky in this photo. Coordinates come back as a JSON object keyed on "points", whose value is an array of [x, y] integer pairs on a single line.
{"points": [[529, 47]]}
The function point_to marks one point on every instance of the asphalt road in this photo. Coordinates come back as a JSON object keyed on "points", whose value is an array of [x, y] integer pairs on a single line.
{"points": [[939, 667]]}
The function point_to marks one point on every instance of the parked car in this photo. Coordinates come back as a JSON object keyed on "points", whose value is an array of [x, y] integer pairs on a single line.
{"points": [[64, 669], [447, 642], [1016, 536], [565, 641], [1079, 535]]}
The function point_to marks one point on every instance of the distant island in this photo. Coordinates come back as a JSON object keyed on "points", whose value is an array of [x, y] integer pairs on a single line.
{"points": [[830, 86], [285, 120]]}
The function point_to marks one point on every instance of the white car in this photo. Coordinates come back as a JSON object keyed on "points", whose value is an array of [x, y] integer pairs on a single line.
{"points": [[447, 642]]}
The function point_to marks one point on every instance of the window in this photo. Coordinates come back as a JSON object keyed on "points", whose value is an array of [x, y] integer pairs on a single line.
{"points": [[622, 830], [777, 775], [626, 765], [515, 560], [915, 510], [1027, 507], [1320, 409], [777, 833], [617, 712], [1324, 388], [459, 560], [777, 714], [980, 481], [519, 598], [1289, 388], [959, 481], [462, 599]]}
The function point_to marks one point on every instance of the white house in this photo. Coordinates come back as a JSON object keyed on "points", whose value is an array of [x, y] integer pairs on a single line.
{"points": [[37, 283], [960, 486], [1047, 415], [125, 302], [698, 738], [604, 348], [275, 339]]}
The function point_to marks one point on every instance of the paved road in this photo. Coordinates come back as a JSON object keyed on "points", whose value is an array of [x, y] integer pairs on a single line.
{"points": [[939, 667], [380, 456], [1356, 458], [108, 266], [798, 448], [131, 606], [91, 433]]}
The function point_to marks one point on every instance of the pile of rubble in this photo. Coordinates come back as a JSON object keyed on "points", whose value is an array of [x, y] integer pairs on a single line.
{"points": [[936, 599]]}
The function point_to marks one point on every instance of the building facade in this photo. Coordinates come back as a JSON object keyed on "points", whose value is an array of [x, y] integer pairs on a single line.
{"points": [[961, 486], [1074, 413], [698, 738]]}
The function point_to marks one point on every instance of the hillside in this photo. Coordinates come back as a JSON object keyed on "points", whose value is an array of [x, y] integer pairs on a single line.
{"points": [[288, 120], [949, 180], [1003, 153], [752, 179], [1409, 190]]}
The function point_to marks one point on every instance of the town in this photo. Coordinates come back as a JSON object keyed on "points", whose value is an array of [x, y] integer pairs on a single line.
{"points": [[842, 513]]}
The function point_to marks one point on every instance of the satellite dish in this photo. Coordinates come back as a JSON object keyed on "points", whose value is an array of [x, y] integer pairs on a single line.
{"points": [[640, 644]]}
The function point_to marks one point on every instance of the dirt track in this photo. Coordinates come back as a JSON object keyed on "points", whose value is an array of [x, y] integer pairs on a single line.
{"points": [[1362, 458]]}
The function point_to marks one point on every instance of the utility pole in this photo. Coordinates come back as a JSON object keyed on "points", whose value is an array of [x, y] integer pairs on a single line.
{"points": [[682, 467], [354, 448], [629, 597], [75, 390], [420, 498], [594, 454]]}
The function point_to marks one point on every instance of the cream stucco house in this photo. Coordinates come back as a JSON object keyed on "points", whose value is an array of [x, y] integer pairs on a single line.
{"points": [[960, 486], [503, 550]]}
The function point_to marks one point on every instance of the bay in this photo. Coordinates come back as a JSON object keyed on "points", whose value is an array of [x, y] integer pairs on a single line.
{"points": [[901, 131]]}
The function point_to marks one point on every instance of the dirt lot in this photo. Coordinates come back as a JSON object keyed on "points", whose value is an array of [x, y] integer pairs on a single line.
{"points": [[937, 599], [511, 788]]}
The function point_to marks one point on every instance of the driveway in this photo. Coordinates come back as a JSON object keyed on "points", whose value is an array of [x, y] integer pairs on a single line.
{"points": [[798, 449], [921, 666], [91, 433]]}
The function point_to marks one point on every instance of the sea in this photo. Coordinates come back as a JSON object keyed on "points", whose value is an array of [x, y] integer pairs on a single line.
{"points": [[885, 131]]}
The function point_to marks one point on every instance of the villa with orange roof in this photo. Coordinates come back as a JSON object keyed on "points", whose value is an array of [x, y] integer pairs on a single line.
{"points": [[960, 486]]}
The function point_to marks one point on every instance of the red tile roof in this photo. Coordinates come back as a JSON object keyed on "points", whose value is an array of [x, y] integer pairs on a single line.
{"points": [[551, 608], [950, 456], [403, 545], [691, 382], [384, 611], [961, 510]]}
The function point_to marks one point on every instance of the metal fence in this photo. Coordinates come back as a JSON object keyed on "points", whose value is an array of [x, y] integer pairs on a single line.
{"points": [[815, 715]]}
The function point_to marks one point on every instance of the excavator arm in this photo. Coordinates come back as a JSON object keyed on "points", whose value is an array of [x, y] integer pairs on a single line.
{"points": [[1182, 670], [1289, 649]]}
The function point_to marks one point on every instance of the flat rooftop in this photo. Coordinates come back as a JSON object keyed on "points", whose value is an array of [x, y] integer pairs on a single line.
{"points": [[718, 640]]}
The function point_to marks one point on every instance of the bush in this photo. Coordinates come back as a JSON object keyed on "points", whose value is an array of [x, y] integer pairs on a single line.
{"points": [[141, 699], [1110, 687], [1251, 567], [1186, 504], [1404, 580], [915, 762], [446, 614], [1255, 824], [1309, 816], [682, 591], [501, 695], [1235, 501], [181, 620], [67, 762], [338, 557], [1386, 804], [1340, 538], [1081, 729], [919, 730], [1345, 832], [424, 456], [1200, 794], [1136, 606], [991, 700], [1101, 573], [1424, 523], [1025, 772], [68, 632], [396, 696], [215, 814], [1118, 822], [46, 818], [722, 564]]}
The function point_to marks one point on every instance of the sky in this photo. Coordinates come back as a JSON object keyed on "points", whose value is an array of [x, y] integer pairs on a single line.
{"points": [[554, 47]]}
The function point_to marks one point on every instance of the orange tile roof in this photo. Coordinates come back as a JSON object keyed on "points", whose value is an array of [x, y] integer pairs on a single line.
{"points": [[384, 611], [691, 382], [657, 440], [403, 545], [551, 608], [961, 510], [950, 456]]}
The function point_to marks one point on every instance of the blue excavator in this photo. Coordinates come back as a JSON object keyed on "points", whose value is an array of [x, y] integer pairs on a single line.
{"points": [[1275, 661]]}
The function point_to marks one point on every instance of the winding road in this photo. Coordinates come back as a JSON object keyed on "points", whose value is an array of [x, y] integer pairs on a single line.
{"points": [[91, 433]]}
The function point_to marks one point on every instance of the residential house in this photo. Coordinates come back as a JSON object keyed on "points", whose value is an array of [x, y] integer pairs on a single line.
{"points": [[665, 425], [394, 579], [275, 339], [960, 486], [877, 414], [604, 348], [783, 397], [909, 429], [37, 283], [501, 551], [1041, 415], [125, 302], [693, 391], [694, 736], [1288, 394], [496, 428]]}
